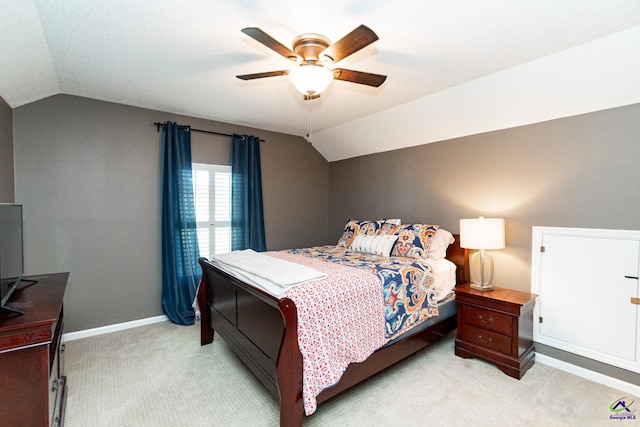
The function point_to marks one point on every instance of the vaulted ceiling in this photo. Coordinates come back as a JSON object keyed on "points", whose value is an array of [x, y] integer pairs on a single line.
{"points": [[454, 68]]}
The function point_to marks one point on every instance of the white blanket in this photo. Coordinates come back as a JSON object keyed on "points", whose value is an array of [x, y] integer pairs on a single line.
{"points": [[279, 272]]}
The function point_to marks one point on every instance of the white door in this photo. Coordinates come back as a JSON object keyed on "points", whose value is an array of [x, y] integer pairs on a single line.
{"points": [[586, 285]]}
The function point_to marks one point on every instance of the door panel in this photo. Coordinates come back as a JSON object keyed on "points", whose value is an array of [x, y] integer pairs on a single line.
{"points": [[585, 297]]}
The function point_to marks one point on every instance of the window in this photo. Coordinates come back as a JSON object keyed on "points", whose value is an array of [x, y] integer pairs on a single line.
{"points": [[212, 193]]}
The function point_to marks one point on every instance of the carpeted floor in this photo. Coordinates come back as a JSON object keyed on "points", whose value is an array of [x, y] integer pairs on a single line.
{"points": [[159, 375]]}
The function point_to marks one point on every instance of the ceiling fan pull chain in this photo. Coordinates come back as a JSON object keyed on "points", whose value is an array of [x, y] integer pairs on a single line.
{"points": [[309, 121]]}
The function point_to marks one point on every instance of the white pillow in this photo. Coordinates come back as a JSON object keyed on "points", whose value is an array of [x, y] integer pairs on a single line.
{"points": [[441, 241], [378, 245]]}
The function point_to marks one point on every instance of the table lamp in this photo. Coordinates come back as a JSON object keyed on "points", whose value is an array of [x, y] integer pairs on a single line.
{"points": [[482, 233]]}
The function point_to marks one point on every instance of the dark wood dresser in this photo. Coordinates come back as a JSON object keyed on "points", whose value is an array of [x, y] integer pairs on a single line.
{"points": [[496, 326], [32, 381]]}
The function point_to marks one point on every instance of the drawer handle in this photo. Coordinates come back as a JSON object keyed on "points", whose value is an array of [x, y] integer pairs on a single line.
{"points": [[485, 321], [485, 341]]}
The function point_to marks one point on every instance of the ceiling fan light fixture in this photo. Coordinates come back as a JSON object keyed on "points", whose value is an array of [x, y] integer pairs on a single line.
{"points": [[311, 79]]}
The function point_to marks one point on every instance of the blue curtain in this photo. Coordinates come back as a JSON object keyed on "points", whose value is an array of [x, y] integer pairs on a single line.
{"points": [[181, 272], [247, 216]]}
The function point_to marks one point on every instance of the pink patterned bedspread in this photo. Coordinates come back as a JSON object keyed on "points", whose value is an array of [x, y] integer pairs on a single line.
{"points": [[341, 320]]}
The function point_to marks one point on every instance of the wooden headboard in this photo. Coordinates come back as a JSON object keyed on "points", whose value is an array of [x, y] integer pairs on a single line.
{"points": [[460, 257]]}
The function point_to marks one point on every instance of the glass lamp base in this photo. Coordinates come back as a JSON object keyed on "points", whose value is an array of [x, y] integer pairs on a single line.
{"points": [[480, 287], [481, 266]]}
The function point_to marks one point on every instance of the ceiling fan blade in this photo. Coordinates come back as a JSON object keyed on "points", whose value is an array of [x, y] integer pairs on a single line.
{"points": [[360, 77], [352, 42], [263, 75], [270, 42]]}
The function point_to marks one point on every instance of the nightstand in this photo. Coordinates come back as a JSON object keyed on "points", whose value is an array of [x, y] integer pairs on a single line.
{"points": [[496, 326]]}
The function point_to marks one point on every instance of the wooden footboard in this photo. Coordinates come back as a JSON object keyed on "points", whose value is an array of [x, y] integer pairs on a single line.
{"points": [[262, 331]]}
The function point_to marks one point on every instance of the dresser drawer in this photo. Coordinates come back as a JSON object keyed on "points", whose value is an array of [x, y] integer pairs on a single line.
{"points": [[487, 319], [485, 338]]}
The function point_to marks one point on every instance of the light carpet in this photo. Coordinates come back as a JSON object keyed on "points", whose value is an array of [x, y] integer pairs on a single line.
{"points": [[159, 375]]}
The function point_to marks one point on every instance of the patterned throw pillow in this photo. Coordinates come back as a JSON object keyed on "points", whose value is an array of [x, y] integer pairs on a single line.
{"points": [[353, 227], [414, 240]]}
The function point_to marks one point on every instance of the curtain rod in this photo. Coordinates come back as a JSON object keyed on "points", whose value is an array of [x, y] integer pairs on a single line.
{"points": [[157, 125]]}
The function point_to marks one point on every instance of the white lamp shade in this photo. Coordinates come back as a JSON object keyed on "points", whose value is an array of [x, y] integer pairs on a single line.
{"points": [[482, 233], [310, 79]]}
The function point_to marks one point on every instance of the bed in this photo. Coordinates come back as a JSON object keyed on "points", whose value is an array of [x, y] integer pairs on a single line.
{"points": [[262, 327]]}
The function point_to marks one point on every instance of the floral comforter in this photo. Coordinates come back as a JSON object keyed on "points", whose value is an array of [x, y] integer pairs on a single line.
{"points": [[365, 301], [409, 297]]}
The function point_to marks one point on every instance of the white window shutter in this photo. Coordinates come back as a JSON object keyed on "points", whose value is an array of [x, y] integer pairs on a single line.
{"points": [[212, 192]]}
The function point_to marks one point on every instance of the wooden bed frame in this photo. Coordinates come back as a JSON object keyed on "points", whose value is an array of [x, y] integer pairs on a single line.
{"points": [[262, 331]]}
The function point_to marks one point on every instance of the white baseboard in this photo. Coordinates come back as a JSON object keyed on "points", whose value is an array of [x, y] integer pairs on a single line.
{"points": [[590, 375], [113, 328]]}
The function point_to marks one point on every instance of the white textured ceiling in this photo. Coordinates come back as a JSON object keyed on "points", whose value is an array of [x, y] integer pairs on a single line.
{"points": [[182, 57]]}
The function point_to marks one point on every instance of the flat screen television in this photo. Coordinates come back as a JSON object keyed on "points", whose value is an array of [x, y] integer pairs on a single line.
{"points": [[11, 252]]}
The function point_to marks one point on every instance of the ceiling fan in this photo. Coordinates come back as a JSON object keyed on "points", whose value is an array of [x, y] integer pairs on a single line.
{"points": [[314, 53]]}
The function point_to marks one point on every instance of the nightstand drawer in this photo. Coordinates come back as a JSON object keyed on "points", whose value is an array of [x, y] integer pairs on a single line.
{"points": [[484, 338], [487, 319]]}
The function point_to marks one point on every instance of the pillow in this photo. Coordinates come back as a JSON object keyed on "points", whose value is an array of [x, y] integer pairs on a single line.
{"points": [[414, 240], [353, 227], [378, 245], [439, 244], [389, 228]]}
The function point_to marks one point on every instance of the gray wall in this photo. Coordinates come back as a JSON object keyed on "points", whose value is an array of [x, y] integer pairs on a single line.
{"points": [[6, 153], [87, 173], [575, 172]]}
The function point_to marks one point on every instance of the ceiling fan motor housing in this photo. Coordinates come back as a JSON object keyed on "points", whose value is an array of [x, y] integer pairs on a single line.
{"points": [[309, 46]]}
